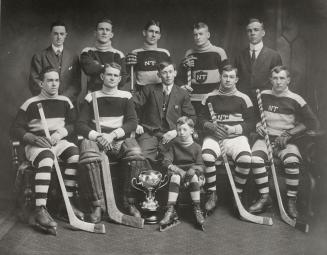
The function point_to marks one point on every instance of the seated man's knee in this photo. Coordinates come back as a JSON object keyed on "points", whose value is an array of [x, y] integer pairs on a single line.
{"points": [[243, 159], [292, 161], [208, 156], [175, 178], [45, 158], [258, 159]]}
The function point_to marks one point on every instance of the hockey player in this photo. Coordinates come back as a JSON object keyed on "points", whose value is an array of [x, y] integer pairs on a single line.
{"points": [[205, 61], [234, 111], [184, 162], [117, 119], [60, 115], [94, 58], [146, 58], [287, 115]]}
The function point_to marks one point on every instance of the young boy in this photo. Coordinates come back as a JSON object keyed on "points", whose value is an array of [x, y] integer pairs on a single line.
{"points": [[287, 114], [117, 119], [184, 162], [60, 115]]}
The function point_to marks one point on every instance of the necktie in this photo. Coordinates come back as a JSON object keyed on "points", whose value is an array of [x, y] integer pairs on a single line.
{"points": [[253, 57], [165, 98]]}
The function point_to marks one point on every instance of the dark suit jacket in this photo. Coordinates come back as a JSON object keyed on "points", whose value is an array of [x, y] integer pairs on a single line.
{"points": [[258, 77], [150, 100], [69, 72]]}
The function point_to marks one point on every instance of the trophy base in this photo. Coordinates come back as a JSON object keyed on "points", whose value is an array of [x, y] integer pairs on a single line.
{"points": [[150, 217]]}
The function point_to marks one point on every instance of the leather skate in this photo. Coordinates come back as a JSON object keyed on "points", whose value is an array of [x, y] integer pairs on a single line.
{"points": [[262, 204]]}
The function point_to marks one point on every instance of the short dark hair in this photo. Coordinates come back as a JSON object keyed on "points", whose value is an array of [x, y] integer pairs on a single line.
{"points": [[278, 69], [112, 65], [252, 20], [46, 70], [103, 20], [185, 120], [199, 25], [57, 23], [229, 68], [163, 64], [152, 22]]}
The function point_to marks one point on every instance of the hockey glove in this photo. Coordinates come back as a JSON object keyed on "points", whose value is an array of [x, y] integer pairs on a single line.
{"points": [[282, 140], [188, 62], [103, 143], [217, 130], [131, 59], [35, 140], [260, 130]]}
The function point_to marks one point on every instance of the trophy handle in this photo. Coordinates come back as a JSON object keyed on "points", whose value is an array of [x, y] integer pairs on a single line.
{"points": [[136, 185], [163, 182]]}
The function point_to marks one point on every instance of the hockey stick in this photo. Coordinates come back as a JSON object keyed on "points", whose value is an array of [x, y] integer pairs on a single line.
{"points": [[132, 78], [294, 223], [243, 213], [112, 210], [73, 220]]}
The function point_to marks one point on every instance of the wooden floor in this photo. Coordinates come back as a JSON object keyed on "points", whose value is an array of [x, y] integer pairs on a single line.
{"points": [[224, 234]]}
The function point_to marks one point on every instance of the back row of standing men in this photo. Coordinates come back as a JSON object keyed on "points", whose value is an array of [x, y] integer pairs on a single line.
{"points": [[160, 103]]}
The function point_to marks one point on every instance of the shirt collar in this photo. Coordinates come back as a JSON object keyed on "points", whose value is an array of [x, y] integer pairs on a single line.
{"points": [[168, 88], [55, 49], [257, 47]]}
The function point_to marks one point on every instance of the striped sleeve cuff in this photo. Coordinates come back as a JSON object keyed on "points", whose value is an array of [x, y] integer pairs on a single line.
{"points": [[119, 132]]}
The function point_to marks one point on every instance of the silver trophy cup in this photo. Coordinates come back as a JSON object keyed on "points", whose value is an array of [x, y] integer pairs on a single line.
{"points": [[149, 182]]}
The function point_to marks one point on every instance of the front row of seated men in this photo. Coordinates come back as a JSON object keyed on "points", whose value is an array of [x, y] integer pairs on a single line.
{"points": [[164, 133]]}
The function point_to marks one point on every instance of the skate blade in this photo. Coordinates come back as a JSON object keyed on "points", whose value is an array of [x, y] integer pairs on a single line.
{"points": [[164, 228], [45, 230]]}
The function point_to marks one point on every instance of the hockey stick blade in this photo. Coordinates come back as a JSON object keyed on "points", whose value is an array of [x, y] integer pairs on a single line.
{"points": [[112, 210], [244, 213], [73, 220]]}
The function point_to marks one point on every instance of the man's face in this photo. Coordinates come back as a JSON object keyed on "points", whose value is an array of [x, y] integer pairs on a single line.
{"points": [[255, 32], [167, 75], [50, 83], [280, 81], [201, 36], [58, 35], [152, 35], [184, 132], [103, 33], [111, 77], [228, 79]]}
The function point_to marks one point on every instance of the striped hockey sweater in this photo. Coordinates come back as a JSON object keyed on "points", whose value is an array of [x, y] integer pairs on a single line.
{"points": [[285, 110], [116, 110], [206, 72], [146, 67], [59, 113]]}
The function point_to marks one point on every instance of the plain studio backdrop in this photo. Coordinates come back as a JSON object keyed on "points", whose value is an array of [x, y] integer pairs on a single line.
{"points": [[25, 30]]}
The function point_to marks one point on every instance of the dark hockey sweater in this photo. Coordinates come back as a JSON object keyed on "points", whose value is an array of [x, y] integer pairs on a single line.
{"points": [[235, 109], [92, 61], [182, 156], [146, 67]]}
